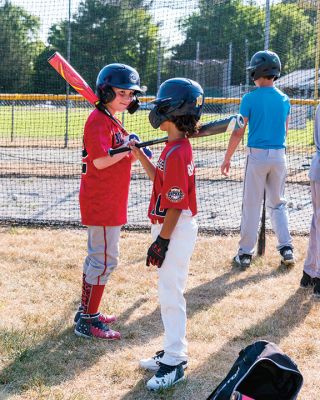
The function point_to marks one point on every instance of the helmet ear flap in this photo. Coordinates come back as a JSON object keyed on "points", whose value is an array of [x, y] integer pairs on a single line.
{"points": [[134, 105], [106, 94]]}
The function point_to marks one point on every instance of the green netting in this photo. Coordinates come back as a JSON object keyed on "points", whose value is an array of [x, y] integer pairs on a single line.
{"points": [[208, 41]]}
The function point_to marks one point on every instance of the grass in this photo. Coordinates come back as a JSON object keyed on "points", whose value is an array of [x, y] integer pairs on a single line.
{"points": [[50, 124], [41, 358]]}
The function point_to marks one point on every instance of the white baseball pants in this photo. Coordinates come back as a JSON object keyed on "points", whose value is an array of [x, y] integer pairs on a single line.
{"points": [[172, 278]]}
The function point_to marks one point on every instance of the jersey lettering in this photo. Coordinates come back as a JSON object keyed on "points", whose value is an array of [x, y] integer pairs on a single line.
{"points": [[160, 164], [190, 168], [118, 138]]}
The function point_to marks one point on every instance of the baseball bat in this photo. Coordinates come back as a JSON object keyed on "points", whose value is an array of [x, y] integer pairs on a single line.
{"points": [[210, 128], [70, 75], [262, 233]]}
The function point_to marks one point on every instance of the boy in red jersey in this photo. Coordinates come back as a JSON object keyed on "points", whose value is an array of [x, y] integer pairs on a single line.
{"points": [[104, 192], [174, 229]]}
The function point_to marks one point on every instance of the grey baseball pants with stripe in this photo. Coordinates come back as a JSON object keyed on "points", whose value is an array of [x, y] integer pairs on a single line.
{"points": [[103, 253], [266, 170]]}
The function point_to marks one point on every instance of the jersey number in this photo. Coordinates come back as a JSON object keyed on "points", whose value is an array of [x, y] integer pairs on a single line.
{"points": [[157, 211]]}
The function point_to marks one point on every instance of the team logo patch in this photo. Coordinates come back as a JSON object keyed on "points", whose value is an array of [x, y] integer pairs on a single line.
{"points": [[175, 194], [133, 77]]}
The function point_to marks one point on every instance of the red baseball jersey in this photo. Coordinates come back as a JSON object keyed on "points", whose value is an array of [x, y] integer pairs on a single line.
{"points": [[103, 192], [174, 182]]}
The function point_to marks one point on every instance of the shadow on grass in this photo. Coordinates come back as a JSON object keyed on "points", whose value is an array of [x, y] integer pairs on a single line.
{"points": [[61, 356], [202, 381]]}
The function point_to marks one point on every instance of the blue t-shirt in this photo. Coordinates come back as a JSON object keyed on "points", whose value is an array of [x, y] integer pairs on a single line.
{"points": [[267, 110]]}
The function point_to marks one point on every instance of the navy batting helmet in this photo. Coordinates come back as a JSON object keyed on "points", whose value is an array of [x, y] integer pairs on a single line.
{"points": [[264, 63], [177, 97], [120, 76]]}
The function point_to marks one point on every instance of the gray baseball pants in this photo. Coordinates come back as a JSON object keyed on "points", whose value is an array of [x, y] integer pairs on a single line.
{"points": [[312, 261], [266, 170], [103, 253]]}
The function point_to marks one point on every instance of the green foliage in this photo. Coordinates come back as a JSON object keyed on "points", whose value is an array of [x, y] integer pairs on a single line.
{"points": [[292, 37], [45, 78], [215, 27], [103, 33], [19, 44], [236, 22]]}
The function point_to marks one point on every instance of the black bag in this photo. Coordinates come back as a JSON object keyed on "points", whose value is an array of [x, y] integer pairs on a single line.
{"points": [[262, 371]]}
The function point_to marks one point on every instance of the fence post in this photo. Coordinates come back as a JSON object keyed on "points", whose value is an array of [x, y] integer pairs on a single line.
{"points": [[267, 26], [66, 136], [12, 120], [246, 53], [159, 65], [316, 67]]}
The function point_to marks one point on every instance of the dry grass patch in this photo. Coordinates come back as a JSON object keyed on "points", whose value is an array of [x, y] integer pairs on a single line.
{"points": [[40, 358]]}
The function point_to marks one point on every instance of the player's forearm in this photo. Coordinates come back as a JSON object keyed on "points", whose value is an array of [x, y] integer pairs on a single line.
{"points": [[146, 163], [234, 141], [105, 162], [170, 222]]}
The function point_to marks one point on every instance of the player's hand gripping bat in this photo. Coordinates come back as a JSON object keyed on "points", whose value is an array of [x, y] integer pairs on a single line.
{"points": [[70, 75]]}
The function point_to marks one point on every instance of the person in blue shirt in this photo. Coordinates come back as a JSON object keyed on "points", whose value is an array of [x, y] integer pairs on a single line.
{"points": [[266, 110]]}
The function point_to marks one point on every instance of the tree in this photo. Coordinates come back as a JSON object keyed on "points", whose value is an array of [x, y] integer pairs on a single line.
{"points": [[292, 37], [237, 22], [19, 44], [215, 27], [104, 32]]}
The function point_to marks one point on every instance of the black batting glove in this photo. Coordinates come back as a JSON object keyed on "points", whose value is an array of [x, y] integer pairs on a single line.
{"points": [[157, 252]]}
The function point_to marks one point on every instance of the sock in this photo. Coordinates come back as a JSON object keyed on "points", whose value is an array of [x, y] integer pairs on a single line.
{"points": [[96, 292]]}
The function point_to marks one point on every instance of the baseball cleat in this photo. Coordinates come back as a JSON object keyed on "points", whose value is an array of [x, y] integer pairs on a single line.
{"points": [[243, 261], [287, 257], [316, 289], [153, 363], [306, 281], [166, 376], [105, 319], [89, 326]]}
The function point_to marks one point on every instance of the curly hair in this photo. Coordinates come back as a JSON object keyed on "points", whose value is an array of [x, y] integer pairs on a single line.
{"points": [[186, 123]]}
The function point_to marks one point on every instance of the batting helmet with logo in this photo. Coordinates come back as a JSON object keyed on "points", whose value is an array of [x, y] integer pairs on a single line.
{"points": [[264, 63], [120, 76], [177, 97]]}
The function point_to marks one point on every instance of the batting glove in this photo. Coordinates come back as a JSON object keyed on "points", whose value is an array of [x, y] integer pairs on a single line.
{"points": [[146, 150], [157, 252]]}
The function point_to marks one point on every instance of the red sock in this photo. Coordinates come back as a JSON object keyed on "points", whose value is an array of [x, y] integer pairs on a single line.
{"points": [[96, 292]]}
